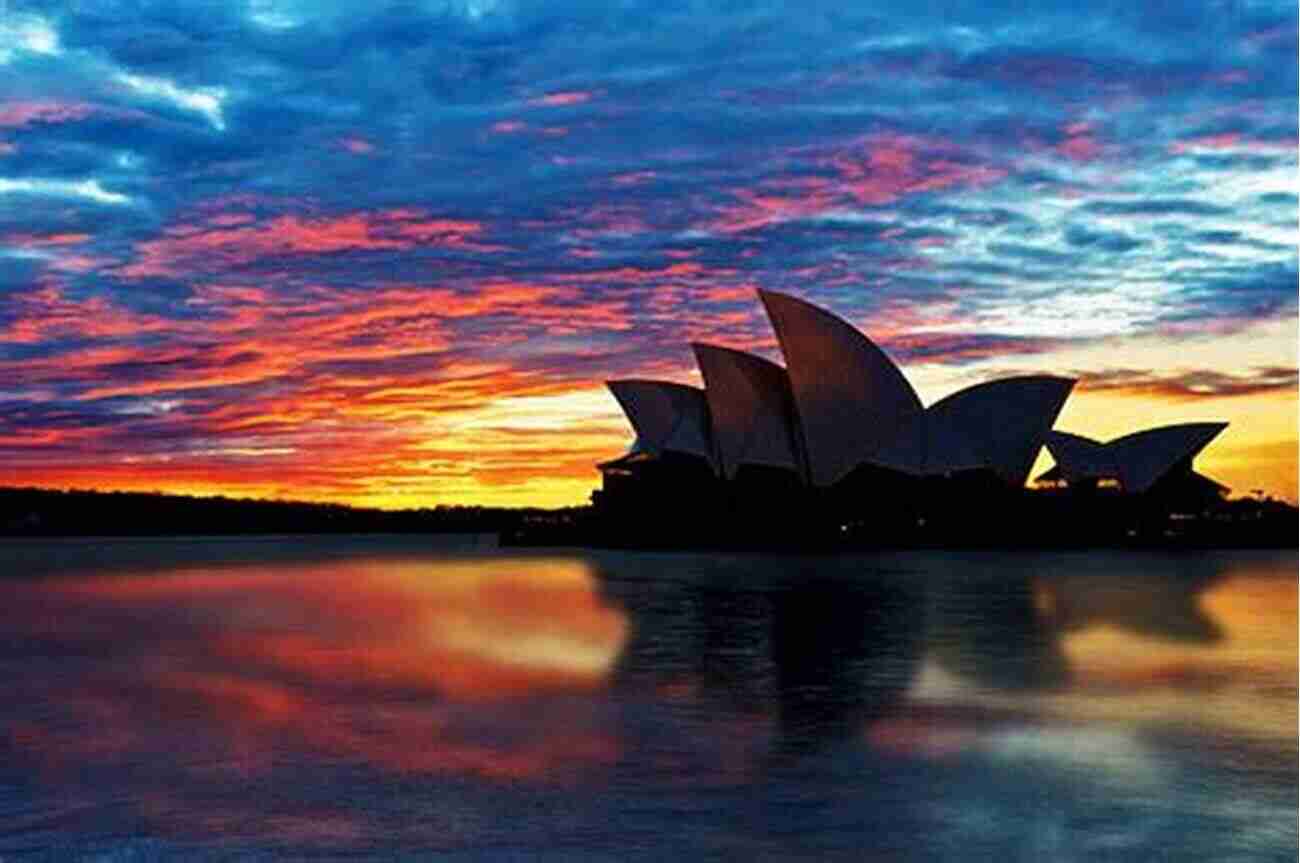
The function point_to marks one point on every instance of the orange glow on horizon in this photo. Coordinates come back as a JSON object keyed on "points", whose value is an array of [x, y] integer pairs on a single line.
{"points": [[542, 451], [339, 417], [550, 460]]}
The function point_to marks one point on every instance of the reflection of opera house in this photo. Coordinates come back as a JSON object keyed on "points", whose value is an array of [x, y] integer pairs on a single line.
{"points": [[838, 440]]}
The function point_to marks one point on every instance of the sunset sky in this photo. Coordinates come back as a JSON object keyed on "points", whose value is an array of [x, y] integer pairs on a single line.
{"points": [[387, 254]]}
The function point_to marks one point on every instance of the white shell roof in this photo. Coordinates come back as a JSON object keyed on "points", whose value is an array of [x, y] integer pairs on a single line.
{"points": [[1137, 460], [1005, 422], [1143, 457], [667, 417], [931, 447], [999, 425], [851, 398], [1077, 456], [843, 403], [751, 408]]}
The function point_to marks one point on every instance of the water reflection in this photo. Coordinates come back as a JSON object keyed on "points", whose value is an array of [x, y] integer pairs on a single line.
{"points": [[998, 632], [454, 700], [405, 667], [820, 652], [845, 654], [1005, 629], [826, 646]]}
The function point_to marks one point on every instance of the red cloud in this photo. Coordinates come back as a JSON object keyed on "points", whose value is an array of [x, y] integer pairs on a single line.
{"points": [[898, 165], [45, 314], [233, 239], [874, 172]]}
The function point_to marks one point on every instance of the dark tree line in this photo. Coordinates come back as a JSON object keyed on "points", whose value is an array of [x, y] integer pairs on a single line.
{"points": [[1038, 519], [46, 512]]}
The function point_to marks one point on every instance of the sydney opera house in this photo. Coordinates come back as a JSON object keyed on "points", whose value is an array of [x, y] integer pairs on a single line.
{"points": [[837, 440]]}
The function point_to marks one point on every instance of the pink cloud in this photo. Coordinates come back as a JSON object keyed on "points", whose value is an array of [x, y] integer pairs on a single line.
{"points": [[230, 220], [404, 316], [34, 241], [729, 293], [599, 220], [1080, 144], [1080, 148], [235, 239], [756, 209], [19, 114], [45, 313], [685, 270], [632, 178], [359, 146], [562, 98], [517, 127], [898, 165], [873, 172], [79, 263]]}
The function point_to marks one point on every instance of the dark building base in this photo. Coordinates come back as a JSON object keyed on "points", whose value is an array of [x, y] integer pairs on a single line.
{"points": [[873, 508]]}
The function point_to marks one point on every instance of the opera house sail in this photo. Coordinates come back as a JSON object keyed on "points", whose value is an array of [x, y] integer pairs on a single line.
{"points": [[751, 409], [1003, 422], [1135, 463], [851, 398], [673, 449], [839, 434], [667, 417]]}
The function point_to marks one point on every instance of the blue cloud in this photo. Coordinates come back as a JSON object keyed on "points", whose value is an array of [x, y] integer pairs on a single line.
{"points": [[1111, 241]]}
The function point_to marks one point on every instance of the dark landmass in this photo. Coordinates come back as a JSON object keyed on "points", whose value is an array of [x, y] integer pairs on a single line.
{"points": [[1032, 520], [35, 512]]}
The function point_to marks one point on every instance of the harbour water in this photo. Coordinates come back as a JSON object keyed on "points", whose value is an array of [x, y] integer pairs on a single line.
{"points": [[300, 697]]}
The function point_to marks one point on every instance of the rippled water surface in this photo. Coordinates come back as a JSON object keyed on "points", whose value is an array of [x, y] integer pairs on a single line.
{"points": [[307, 697]]}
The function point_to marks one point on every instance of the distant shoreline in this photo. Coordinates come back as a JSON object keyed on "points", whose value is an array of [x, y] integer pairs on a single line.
{"points": [[162, 539], [88, 517], [40, 512]]}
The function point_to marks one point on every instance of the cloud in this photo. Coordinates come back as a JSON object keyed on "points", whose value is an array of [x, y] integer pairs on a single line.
{"points": [[237, 238], [562, 98], [1155, 207], [1190, 384], [325, 214], [205, 101], [1111, 241], [89, 190], [26, 34], [20, 114]]}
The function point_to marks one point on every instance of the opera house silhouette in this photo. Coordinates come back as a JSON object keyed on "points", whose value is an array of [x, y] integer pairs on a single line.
{"points": [[837, 443]]}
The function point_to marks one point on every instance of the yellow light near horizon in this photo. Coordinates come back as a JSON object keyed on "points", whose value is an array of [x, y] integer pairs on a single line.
{"points": [[542, 449], [1256, 451]]}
